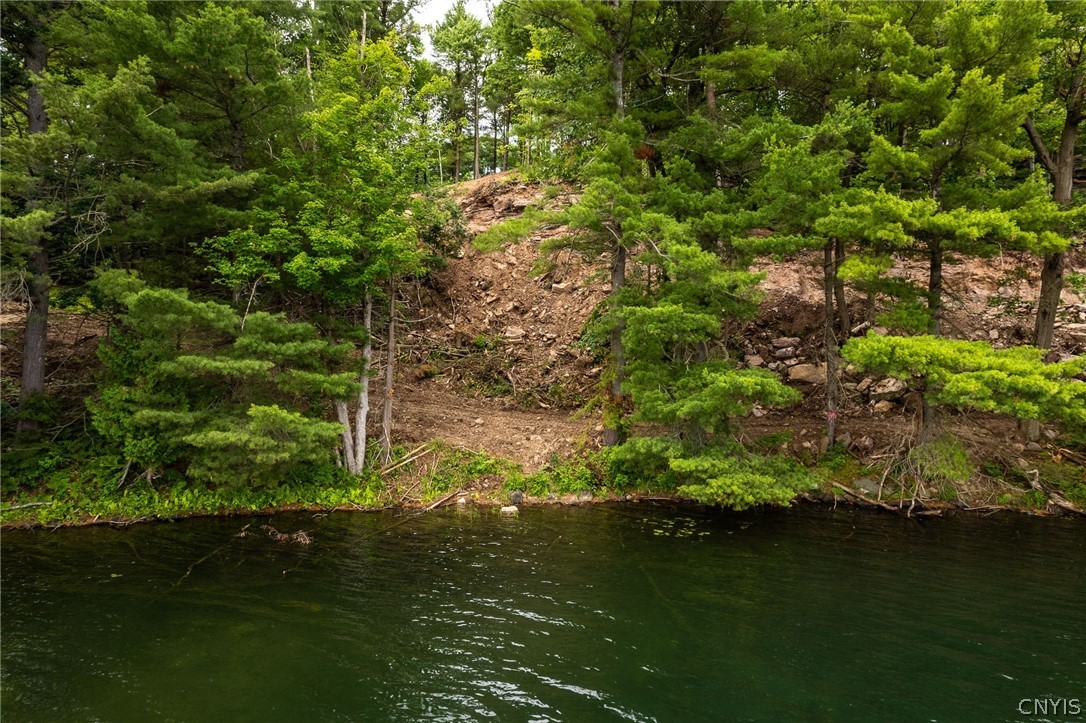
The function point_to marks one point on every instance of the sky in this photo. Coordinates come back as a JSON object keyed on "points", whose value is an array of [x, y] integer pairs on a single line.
{"points": [[432, 12]]}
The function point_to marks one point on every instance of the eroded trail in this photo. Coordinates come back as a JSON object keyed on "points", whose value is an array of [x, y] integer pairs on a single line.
{"points": [[530, 438]]}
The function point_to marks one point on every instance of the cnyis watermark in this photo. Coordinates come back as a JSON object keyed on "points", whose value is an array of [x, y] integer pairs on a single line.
{"points": [[1050, 706]]}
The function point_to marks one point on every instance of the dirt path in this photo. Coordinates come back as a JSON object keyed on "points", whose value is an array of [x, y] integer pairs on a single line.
{"points": [[530, 438]]}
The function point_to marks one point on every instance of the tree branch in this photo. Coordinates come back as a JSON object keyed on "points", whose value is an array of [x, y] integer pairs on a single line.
{"points": [[1039, 146]]}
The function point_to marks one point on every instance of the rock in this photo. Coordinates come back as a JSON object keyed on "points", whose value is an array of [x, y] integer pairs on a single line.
{"points": [[774, 365], [851, 369], [786, 353], [1033, 447], [756, 412], [790, 362], [753, 360], [864, 444], [888, 389], [502, 205], [514, 333], [993, 334], [1050, 433], [461, 501], [516, 497], [559, 287], [1018, 447], [584, 496], [844, 440], [477, 421], [785, 341], [866, 486], [883, 406], [1023, 464], [510, 510], [865, 384], [808, 374]]}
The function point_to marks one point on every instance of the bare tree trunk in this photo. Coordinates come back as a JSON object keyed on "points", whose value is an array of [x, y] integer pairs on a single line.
{"points": [[456, 166], [363, 411], [1062, 170], [505, 144], [309, 74], [494, 169], [710, 97], [935, 307], [37, 316], [830, 342], [935, 286], [475, 131], [386, 410], [348, 440], [844, 322], [612, 432]]}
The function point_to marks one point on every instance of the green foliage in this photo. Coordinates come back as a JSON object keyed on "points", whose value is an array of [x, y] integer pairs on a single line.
{"points": [[723, 474], [93, 493], [511, 231], [942, 460], [191, 384], [970, 374]]}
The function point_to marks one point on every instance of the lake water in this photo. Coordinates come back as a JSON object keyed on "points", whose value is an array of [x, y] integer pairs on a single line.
{"points": [[629, 612]]}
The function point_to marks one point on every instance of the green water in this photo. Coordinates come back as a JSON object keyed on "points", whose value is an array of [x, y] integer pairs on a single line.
{"points": [[630, 612]]}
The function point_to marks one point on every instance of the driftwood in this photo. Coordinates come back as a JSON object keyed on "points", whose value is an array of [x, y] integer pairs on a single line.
{"points": [[411, 456], [868, 501], [443, 500], [23, 506]]}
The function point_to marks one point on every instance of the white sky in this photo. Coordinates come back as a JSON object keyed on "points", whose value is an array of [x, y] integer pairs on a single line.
{"points": [[432, 12]]}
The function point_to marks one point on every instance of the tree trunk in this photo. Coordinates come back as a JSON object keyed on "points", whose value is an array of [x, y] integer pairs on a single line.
{"points": [[37, 313], [475, 131], [710, 98], [618, 65], [612, 433], [505, 143], [494, 168], [386, 410], [844, 322], [344, 418], [1062, 170], [829, 341], [363, 411], [237, 136], [935, 286], [456, 166]]}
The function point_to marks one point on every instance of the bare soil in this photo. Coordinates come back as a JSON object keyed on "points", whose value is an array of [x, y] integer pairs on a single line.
{"points": [[495, 359]]}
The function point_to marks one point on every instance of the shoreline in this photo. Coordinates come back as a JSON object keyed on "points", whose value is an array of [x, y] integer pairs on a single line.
{"points": [[902, 507]]}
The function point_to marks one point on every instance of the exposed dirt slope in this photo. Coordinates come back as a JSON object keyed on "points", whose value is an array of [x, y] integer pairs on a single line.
{"points": [[494, 362], [498, 334]]}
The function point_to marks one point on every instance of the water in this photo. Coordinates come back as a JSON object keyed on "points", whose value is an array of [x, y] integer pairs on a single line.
{"points": [[630, 612]]}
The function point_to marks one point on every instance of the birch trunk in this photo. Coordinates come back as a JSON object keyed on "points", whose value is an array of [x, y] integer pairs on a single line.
{"points": [[363, 411], [386, 411]]}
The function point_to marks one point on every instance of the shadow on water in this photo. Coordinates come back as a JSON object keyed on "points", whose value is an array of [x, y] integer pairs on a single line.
{"points": [[626, 612]]}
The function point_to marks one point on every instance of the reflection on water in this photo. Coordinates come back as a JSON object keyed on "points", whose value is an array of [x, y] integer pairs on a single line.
{"points": [[629, 612]]}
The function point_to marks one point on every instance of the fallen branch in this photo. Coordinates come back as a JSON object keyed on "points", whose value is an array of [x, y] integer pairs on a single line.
{"points": [[408, 458], [867, 500], [28, 504], [1065, 504], [443, 500]]}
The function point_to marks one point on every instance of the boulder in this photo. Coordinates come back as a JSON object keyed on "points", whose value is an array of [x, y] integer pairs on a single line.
{"points": [[753, 360], [786, 353], [889, 389], [883, 406], [785, 341], [808, 374]]}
